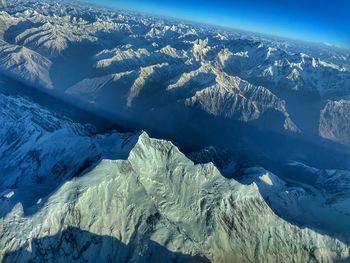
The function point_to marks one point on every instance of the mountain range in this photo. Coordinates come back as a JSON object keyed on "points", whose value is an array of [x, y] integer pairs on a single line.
{"points": [[127, 137]]}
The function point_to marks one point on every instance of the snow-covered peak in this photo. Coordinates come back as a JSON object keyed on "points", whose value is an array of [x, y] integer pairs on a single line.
{"points": [[25, 64], [151, 200]]}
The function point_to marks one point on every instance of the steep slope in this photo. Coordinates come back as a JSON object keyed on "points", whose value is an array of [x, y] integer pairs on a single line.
{"points": [[103, 43], [335, 121], [132, 58], [50, 39], [24, 64], [318, 200], [6, 21], [132, 208], [69, 194], [230, 97], [49, 34], [159, 195], [39, 151], [277, 69]]}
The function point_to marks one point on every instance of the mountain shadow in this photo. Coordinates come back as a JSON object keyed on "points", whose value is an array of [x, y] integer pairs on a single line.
{"points": [[75, 245]]}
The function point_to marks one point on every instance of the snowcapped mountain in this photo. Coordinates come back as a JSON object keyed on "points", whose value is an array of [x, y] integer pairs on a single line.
{"points": [[334, 121], [31, 136], [25, 64], [147, 197], [277, 69], [132, 58], [251, 163]]}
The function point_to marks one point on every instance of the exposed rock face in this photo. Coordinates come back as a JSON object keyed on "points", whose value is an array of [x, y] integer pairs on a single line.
{"points": [[335, 121], [69, 194], [39, 151], [51, 39], [233, 98], [25, 64], [278, 69], [118, 61]]}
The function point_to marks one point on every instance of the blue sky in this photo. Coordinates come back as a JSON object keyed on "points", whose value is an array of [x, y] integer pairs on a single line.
{"points": [[320, 21]]}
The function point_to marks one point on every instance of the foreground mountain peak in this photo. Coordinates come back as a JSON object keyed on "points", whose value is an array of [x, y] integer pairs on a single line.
{"points": [[244, 174], [153, 205]]}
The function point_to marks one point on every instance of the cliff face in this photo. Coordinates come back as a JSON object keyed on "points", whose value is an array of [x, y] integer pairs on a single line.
{"points": [[335, 121]]}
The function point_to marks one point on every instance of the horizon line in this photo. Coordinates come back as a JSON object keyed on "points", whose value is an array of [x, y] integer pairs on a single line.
{"points": [[213, 24]]}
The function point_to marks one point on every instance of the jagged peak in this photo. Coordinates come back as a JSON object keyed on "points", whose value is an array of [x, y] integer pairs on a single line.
{"points": [[160, 146]]}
